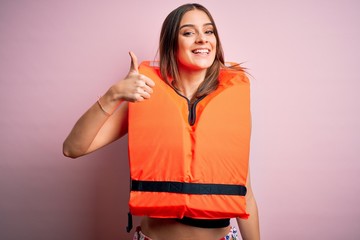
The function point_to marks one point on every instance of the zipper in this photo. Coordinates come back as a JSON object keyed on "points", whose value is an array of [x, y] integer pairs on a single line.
{"points": [[191, 108]]}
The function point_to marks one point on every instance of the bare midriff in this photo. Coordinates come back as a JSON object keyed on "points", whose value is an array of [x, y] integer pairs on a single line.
{"points": [[165, 229]]}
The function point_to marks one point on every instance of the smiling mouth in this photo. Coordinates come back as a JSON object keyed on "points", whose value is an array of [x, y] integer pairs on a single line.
{"points": [[201, 51]]}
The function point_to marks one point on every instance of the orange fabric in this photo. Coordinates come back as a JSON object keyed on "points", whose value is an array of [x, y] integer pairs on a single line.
{"points": [[164, 147]]}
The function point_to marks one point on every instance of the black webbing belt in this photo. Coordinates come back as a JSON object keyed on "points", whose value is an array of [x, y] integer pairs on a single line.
{"points": [[188, 188], [184, 188]]}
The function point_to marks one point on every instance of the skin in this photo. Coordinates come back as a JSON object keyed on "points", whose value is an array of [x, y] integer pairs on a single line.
{"points": [[196, 34], [96, 129]]}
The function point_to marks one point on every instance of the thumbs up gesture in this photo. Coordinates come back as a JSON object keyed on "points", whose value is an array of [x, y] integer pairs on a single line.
{"points": [[135, 87]]}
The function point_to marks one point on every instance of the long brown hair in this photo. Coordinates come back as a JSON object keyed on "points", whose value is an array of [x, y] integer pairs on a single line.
{"points": [[168, 47]]}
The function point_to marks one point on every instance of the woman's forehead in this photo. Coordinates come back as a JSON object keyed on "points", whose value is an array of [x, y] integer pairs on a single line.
{"points": [[195, 17]]}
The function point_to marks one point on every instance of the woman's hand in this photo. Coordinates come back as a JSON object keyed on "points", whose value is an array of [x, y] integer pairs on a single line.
{"points": [[135, 87]]}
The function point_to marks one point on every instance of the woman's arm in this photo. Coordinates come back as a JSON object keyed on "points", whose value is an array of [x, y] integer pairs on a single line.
{"points": [[95, 129], [249, 228], [101, 124]]}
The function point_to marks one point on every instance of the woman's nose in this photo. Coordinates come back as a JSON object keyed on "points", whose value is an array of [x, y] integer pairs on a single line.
{"points": [[201, 38]]}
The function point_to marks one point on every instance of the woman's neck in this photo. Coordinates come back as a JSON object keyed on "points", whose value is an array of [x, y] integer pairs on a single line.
{"points": [[189, 82]]}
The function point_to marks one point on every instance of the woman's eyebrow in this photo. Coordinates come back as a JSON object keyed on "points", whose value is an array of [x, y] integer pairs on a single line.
{"points": [[192, 25]]}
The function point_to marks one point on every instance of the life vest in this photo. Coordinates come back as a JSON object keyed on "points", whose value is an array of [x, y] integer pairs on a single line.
{"points": [[190, 161]]}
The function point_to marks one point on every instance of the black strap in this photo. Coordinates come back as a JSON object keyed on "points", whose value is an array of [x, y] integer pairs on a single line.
{"points": [[130, 220], [188, 188], [130, 223], [205, 223]]}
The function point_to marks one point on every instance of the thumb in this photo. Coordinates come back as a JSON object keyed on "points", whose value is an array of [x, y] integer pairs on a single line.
{"points": [[134, 67]]}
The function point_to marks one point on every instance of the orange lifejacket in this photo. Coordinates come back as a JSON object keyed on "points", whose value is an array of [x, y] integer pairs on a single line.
{"points": [[190, 161]]}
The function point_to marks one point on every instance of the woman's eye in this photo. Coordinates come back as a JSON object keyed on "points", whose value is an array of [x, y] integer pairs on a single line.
{"points": [[188, 33], [209, 32]]}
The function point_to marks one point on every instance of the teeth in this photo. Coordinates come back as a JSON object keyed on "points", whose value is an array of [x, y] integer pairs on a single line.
{"points": [[201, 51]]}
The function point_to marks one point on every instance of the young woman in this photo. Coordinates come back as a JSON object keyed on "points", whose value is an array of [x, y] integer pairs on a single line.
{"points": [[189, 131]]}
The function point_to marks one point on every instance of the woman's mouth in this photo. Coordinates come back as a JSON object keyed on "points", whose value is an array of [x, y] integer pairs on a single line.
{"points": [[201, 51]]}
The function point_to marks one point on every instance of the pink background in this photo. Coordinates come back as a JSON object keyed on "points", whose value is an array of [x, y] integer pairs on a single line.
{"points": [[56, 57]]}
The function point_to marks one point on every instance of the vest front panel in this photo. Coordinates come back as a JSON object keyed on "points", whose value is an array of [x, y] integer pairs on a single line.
{"points": [[163, 146]]}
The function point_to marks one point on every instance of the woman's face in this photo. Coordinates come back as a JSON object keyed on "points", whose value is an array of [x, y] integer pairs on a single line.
{"points": [[196, 41]]}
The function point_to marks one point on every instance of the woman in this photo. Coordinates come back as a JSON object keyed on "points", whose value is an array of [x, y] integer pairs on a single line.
{"points": [[191, 73]]}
